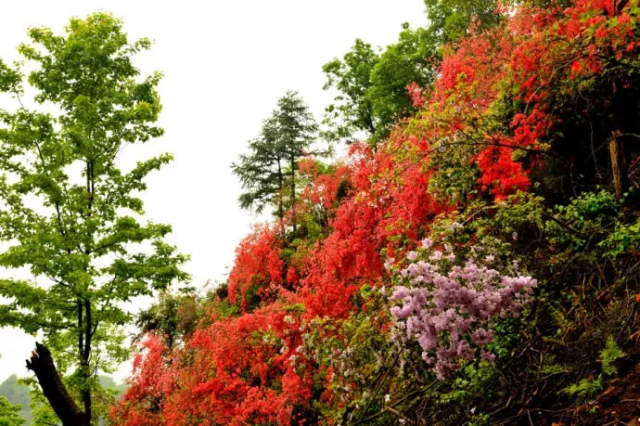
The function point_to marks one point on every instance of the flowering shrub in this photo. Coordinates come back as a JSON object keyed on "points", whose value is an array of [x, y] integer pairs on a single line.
{"points": [[258, 268], [151, 380], [520, 107], [448, 305]]}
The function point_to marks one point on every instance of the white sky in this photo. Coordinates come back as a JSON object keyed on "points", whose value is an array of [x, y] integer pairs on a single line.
{"points": [[225, 63]]}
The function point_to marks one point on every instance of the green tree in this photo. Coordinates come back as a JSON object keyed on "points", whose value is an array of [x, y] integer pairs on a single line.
{"points": [[372, 87], [173, 316], [268, 172], [262, 172], [352, 109], [450, 19], [17, 393], [411, 59], [9, 413], [69, 213]]}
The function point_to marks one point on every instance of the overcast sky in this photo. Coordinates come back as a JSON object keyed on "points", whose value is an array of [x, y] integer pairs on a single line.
{"points": [[226, 63]]}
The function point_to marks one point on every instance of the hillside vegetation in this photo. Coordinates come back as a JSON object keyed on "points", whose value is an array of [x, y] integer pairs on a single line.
{"points": [[478, 264], [474, 259]]}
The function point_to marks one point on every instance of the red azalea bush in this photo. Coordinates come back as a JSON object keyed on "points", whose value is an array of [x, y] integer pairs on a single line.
{"points": [[258, 268]]}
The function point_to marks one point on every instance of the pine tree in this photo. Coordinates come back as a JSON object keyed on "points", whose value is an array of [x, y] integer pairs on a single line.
{"points": [[268, 172]]}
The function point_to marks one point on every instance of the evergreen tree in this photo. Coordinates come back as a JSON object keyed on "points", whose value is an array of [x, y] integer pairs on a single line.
{"points": [[268, 172], [72, 216]]}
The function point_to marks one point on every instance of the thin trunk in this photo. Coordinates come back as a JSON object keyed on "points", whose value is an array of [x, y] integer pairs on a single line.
{"points": [[293, 193], [616, 152], [80, 341], [280, 201], [90, 186], [41, 363], [372, 128], [86, 392], [85, 353]]}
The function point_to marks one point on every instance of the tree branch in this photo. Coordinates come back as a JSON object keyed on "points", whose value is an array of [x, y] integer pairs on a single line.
{"points": [[41, 363]]}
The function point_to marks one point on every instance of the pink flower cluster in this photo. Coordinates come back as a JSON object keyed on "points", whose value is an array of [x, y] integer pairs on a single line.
{"points": [[449, 308]]}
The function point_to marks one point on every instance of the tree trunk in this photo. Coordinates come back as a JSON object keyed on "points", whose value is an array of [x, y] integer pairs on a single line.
{"points": [[41, 363], [293, 193], [86, 391], [616, 152], [280, 200]]}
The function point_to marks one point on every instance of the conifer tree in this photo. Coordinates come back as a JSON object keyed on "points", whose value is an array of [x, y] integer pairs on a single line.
{"points": [[268, 172]]}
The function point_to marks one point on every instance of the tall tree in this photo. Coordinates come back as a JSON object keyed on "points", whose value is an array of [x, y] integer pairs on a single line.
{"points": [[352, 109], [268, 172], [262, 171], [69, 213]]}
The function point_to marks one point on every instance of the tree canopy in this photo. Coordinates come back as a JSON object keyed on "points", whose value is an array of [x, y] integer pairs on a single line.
{"points": [[70, 214], [373, 85], [10, 414], [17, 393], [268, 173]]}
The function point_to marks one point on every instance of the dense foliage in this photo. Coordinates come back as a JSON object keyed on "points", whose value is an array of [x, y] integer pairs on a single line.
{"points": [[479, 264], [372, 85], [474, 260], [17, 394], [9, 414], [69, 214]]}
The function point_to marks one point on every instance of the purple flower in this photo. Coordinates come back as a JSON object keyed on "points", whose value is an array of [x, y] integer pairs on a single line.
{"points": [[448, 310], [437, 255], [388, 264], [488, 356], [427, 243], [481, 336]]}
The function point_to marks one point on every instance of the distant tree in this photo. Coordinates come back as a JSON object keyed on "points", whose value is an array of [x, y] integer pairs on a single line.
{"points": [[39, 412], [262, 172], [352, 109], [268, 173], [412, 59], [173, 316], [70, 214], [113, 388]]}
